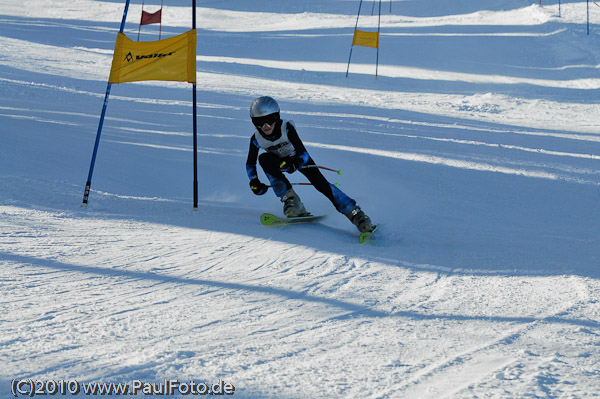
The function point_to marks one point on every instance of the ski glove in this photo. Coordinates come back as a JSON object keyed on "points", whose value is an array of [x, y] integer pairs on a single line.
{"points": [[257, 187], [291, 164]]}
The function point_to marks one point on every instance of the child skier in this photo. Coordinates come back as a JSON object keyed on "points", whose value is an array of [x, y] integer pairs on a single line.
{"points": [[285, 152]]}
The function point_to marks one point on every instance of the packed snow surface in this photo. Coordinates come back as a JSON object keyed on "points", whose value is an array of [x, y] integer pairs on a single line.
{"points": [[476, 148]]}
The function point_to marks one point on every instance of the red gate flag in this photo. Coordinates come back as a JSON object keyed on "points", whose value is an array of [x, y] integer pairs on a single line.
{"points": [[151, 18]]}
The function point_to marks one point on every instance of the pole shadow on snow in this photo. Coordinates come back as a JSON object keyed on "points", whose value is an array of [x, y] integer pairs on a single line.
{"points": [[354, 310]]}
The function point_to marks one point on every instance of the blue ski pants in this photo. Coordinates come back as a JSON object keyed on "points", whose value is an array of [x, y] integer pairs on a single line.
{"points": [[270, 164]]}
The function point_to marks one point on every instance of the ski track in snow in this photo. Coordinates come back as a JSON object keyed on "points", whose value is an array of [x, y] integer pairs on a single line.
{"points": [[477, 149]]}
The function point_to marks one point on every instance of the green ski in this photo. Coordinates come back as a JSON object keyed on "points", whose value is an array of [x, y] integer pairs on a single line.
{"points": [[364, 237], [268, 219]]}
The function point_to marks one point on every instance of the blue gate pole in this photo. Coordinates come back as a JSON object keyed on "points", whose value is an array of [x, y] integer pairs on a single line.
{"points": [[88, 184], [195, 123], [378, 41], [353, 33], [588, 16]]}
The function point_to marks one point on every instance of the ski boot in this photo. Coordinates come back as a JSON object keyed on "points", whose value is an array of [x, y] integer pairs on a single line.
{"points": [[292, 205], [359, 219]]}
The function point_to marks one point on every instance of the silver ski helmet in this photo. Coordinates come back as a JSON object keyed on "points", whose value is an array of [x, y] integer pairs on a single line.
{"points": [[264, 110]]}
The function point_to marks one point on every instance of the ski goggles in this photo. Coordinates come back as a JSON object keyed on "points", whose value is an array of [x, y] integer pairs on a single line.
{"points": [[261, 121]]}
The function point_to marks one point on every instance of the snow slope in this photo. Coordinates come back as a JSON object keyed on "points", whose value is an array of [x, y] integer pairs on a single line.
{"points": [[476, 148]]}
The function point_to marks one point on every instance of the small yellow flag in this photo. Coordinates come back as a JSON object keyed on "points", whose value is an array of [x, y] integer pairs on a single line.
{"points": [[168, 59], [367, 39]]}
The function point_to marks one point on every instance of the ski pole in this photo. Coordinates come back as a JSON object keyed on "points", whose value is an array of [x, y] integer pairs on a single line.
{"points": [[338, 171], [307, 184], [297, 184]]}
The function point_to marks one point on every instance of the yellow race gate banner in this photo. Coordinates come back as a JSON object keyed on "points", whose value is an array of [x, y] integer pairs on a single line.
{"points": [[365, 39], [172, 59]]}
